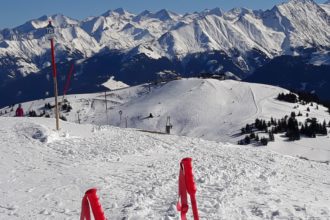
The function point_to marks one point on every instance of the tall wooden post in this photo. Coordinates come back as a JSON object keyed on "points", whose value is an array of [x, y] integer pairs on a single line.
{"points": [[50, 30], [56, 105]]}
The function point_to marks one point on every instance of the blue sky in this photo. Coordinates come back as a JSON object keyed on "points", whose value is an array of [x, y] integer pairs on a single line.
{"points": [[16, 12]]}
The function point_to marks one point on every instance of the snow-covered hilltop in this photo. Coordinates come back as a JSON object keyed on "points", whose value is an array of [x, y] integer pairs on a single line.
{"points": [[281, 30], [200, 108]]}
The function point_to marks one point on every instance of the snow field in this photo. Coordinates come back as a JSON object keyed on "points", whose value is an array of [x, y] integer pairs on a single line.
{"points": [[45, 174]]}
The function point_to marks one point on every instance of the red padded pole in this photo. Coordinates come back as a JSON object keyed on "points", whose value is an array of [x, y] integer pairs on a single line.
{"points": [[95, 204], [183, 206], [85, 213], [190, 183], [53, 57]]}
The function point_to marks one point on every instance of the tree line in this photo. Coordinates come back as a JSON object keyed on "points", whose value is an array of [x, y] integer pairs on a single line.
{"points": [[288, 125]]}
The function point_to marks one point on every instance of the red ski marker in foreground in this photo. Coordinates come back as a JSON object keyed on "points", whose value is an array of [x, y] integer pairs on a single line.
{"points": [[187, 184], [91, 200]]}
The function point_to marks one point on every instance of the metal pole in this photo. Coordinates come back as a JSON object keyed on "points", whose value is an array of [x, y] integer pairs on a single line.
{"points": [[106, 106], [55, 83], [56, 105], [78, 117], [105, 98], [120, 114]]}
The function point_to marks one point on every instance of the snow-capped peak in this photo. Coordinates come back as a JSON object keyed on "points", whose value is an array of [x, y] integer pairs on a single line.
{"points": [[164, 15], [60, 20], [236, 13], [142, 15], [33, 24], [118, 11], [300, 2], [216, 11]]}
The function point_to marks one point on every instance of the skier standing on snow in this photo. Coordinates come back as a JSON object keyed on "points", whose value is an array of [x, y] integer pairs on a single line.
{"points": [[19, 111]]}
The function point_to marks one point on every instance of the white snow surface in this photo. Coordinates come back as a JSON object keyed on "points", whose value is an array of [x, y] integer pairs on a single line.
{"points": [[45, 174], [113, 84], [201, 108]]}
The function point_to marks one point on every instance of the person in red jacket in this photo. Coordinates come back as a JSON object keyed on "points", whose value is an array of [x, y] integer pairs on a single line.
{"points": [[19, 111]]}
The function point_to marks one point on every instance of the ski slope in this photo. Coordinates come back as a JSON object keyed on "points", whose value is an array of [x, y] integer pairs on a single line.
{"points": [[208, 108], [203, 108], [45, 173]]}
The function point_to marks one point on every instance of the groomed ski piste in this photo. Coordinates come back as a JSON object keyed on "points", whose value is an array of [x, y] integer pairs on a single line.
{"points": [[45, 173]]}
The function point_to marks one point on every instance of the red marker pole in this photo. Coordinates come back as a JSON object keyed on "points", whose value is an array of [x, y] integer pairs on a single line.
{"points": [[50, 30], [91, 200], [190, 183], [187, 185], [95, 205], [85, 213]]}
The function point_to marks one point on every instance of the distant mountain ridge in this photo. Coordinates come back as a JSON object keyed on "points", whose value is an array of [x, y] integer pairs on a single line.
{"points": [[238, 41], [166, 34]]}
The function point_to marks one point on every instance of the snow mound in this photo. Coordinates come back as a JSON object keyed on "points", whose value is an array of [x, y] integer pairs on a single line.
{"points": [[206, 108], [36, 132]]}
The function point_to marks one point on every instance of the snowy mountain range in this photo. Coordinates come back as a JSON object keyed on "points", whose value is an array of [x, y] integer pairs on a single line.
{"points": [[139, 46]]}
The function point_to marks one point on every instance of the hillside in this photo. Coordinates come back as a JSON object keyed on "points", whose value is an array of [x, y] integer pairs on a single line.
{"points": [[45, 174], [202, 108]]}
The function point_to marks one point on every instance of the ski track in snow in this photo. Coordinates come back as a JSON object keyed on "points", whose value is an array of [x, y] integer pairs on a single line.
{"points": [[45, 174]]}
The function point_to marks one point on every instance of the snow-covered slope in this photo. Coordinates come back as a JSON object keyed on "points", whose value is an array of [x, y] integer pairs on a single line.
{"points": [[326, 7], [285, 29], [45, 174], [313, 31], [290, 25], [204, 108]]}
